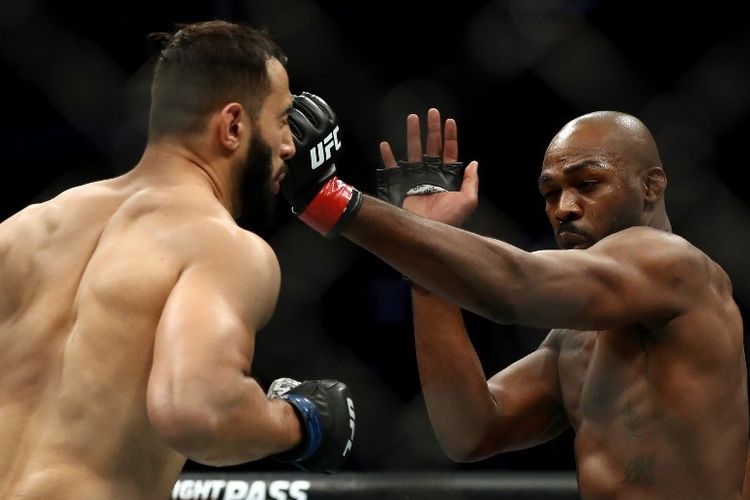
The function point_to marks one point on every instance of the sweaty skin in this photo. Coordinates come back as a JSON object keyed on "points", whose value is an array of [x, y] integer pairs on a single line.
{"points": [[645, 358], [128, 313]]}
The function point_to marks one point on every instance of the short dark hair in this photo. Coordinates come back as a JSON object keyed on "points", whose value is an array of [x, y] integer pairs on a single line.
{"points": [[204, 65]]}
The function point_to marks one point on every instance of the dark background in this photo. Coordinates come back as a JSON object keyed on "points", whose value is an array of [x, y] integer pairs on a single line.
{"points": [[512, 72]]}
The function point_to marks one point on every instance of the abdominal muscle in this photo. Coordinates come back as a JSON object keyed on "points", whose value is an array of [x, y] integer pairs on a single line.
{"points": [[642, 429]]}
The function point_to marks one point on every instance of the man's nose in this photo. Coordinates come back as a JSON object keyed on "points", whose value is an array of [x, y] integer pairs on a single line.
{"points": [[287, 149], [568, 207]]}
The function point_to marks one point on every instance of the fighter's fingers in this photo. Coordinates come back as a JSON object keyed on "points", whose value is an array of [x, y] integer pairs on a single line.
{"points": [[434, 137], [386, 154], [413, 139], [450, 146], [470, 185]]}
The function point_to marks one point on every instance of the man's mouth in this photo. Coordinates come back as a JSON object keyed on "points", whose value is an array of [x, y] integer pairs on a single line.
{"points": [[277, 180], [568, 240]]}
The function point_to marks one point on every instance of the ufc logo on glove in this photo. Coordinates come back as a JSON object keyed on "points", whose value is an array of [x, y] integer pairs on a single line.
{"points": [[317, 196], [317, 156]]}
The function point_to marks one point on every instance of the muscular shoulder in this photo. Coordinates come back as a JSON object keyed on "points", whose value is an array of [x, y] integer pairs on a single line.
{"points": [[196, 232], [236, 251], [650, 241], [242, 265], [218, 255], [669, 263], [214, 238], [665, 256]]}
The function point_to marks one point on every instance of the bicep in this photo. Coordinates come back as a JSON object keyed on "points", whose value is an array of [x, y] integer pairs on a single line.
{"points": [[206, 333], [529, 402], [201, 328], [614, 283]]}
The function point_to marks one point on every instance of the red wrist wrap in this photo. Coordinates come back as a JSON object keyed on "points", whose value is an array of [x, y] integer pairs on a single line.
{"points": [[328, 206]]}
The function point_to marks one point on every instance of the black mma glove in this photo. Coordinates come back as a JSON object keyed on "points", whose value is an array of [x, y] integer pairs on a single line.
{"points": [[430, 175], [326, 410], [311, 187]]}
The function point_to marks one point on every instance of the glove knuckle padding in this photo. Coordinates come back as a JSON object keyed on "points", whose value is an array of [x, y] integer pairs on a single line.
{"points": [[327, 411], [316, 110], [300, 126], [310, 110], [315, 132], [430, 175], [322, 105]]}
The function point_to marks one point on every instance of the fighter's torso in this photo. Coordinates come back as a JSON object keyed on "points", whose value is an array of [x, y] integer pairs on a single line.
{"points": [[658, 412], [84, 279]]}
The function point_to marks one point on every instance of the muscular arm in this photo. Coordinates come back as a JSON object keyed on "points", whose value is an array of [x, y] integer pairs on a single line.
{"points": [[200, 396], [580, 289], [474, 418]]}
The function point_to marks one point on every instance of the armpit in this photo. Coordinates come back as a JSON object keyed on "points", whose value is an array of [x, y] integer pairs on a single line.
{"points": [[553, 340]]}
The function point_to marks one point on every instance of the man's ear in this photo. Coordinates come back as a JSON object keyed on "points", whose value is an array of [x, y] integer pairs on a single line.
{"points": [[655, 182], [232, 125]]}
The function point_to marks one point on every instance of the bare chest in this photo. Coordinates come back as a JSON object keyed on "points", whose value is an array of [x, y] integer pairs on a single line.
{"points": [[602, 372]]}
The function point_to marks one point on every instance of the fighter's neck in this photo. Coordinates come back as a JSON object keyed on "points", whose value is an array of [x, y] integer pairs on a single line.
{"points": [[661, 222], [172, 161]]}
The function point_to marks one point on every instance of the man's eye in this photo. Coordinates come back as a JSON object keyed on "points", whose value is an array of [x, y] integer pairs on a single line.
{"points": [[588, 185], [548, 195]]}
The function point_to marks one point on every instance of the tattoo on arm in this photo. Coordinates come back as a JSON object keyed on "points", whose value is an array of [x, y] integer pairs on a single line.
{"points": [[641, 470]]}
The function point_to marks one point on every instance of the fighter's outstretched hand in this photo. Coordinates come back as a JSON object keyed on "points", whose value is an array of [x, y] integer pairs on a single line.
{"points": [[450, 207]]}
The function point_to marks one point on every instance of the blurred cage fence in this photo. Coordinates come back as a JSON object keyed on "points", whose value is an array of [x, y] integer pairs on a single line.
{"points": [[512, 72]]}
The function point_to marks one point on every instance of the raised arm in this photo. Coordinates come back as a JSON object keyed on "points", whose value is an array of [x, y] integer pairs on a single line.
{"points": [[200, 395], [472, 418], [590, 289]]}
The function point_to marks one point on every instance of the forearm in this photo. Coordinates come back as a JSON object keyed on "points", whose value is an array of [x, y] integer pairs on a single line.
{"points": [[237, 424], [479, 274], [459, 404]]}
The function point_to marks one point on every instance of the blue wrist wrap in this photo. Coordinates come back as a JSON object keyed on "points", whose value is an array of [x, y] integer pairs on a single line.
{"points": [[311, 419]]}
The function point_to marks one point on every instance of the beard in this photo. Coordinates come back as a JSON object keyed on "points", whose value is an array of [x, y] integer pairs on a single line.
{"points": [[257, 199]]}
